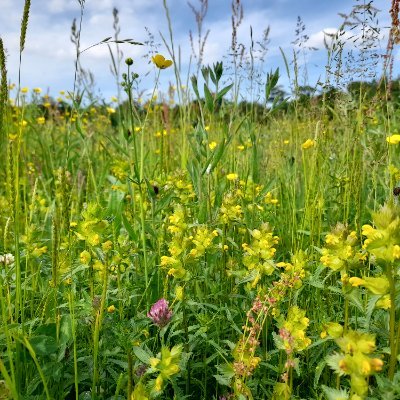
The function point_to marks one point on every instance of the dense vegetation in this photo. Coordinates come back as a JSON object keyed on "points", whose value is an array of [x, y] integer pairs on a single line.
{"points": [[194, 246]]}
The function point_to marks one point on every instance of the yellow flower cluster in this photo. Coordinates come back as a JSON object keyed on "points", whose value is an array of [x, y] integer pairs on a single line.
{"points": [[339, 251], [202, 240], [91, 228], [293, 330], [230, 211], [166, 365], [258, 256], [182, 187], [383, 242], [120, 169], [177, 244], [295, 268], [354, 360]]}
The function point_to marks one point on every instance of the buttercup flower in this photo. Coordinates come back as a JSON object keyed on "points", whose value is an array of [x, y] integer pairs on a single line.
{"points": [[160, 313], [232, 177], [308, 144], [111, 308], [394, 139], [161, 62]]}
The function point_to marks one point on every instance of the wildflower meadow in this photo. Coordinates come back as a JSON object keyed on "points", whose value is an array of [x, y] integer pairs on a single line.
{"points": [[221, 237]]}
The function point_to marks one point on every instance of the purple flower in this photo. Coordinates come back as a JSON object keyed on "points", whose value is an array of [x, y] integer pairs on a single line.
{"points": [[159, 313]]}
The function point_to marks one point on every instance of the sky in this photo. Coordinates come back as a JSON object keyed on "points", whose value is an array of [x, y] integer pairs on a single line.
{"points": [[49, 55]]}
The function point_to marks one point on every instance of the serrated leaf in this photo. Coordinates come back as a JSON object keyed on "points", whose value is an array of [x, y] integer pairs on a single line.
{"points": [[142, 354], [335, 394], [333, 361], [226, 373]]}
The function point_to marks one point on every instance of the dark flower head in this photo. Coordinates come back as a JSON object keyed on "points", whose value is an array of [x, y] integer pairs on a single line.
{"points": [[159, 313]]}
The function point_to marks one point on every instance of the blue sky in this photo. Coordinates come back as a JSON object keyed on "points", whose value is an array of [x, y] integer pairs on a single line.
{"points": [[48, 59]]}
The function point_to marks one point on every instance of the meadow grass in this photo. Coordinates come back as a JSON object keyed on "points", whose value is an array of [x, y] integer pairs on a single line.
{"points": [[204, 249]]}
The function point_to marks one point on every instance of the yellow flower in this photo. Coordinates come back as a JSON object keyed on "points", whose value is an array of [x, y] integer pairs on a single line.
{"points": [[40, 120], [378, 285], [308, 144], [110, 110], [161, 62], [85, 257], [212, 145], [106, 246], [24, 90], [396, 251], [232, 177], [37, 90], [179, 293], [394, 139], [240, 147], [384, 302], [37, 252], [111, 308], [286, 141]]}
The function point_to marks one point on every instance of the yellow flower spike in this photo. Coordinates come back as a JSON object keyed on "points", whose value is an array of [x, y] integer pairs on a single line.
{"points": [[355, 281], [378, 285], [367, 230], [179, 293], [37, 252], [161, 62], [376, 364], [106, 246], [308, 144], [332, 239], [158, 383], [384, 302], [394, 139], [396, 252], [154, 362], [281, 264], [140, 393], [334, 329]]}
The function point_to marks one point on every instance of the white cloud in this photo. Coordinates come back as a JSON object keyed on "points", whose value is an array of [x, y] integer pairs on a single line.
{"points": [[318, 39], [48, 59]]}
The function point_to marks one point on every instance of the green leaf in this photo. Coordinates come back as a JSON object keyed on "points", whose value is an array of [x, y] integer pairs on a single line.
{"points": [[195, 87], [142, 355], [65, 329], [224, 91], [226, 373], [132, 234], [43, 345], [335, 394], [209, 98]]}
